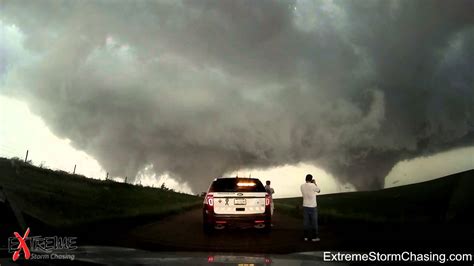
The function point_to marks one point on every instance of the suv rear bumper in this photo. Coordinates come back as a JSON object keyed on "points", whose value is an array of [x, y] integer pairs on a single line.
{"points": [[237, 220]]}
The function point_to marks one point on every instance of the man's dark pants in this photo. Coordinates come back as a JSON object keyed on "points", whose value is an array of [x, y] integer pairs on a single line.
{"points": [[310, 222]]}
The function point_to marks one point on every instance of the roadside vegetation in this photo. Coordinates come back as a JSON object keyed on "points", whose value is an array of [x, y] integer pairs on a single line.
{"points": [[445, 200], [61, 199]]}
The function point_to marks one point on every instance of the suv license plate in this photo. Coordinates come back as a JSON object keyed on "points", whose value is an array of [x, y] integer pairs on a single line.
{"points": [[240, 202]]}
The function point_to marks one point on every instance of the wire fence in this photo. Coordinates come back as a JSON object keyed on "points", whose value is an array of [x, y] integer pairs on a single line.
{"points": [[29, 156], [10, 151], [26, 155]]}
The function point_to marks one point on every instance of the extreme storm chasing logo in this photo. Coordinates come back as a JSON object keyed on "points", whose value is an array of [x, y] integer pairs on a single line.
{"points": [[21, 246], [39, 247]]}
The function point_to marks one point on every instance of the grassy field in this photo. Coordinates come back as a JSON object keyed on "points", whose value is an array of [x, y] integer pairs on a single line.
{"points": [[61, 199], [449, 199]]}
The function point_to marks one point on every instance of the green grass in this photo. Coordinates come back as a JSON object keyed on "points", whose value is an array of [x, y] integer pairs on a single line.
{"points": [[61, 199], [58, 198], [448, 199]]}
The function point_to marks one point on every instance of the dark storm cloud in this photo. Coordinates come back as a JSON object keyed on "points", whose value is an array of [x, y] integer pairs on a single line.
{"points": [[200, 88]]}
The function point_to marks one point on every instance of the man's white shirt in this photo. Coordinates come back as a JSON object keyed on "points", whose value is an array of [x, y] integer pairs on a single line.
{"points": [[309, 191]]}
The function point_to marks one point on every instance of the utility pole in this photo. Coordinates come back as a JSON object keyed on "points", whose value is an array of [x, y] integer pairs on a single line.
{"points": [[74, 172], [26, 157], [107, 177], [126, 179]]}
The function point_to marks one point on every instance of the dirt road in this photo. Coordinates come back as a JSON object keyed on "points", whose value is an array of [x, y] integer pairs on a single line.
{"points": [[184, 232]]}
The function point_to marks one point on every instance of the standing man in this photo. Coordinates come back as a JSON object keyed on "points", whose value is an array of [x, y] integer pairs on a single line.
{"points": [[310, 210], [270, 192]]}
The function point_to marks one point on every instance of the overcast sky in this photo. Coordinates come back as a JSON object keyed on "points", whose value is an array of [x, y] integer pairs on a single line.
{"points": [[363, 94]]}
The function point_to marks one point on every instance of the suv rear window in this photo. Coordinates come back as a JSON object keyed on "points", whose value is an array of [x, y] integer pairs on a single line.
{"points": [[231, 185]]}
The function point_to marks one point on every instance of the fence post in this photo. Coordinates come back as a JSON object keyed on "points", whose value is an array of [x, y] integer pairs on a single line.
{"points": [[74, 172], [26, 156], [107, 177]]}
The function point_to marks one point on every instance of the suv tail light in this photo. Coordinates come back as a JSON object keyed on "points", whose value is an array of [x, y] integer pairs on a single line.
{"points": [[267, 200], [210, 200]]}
